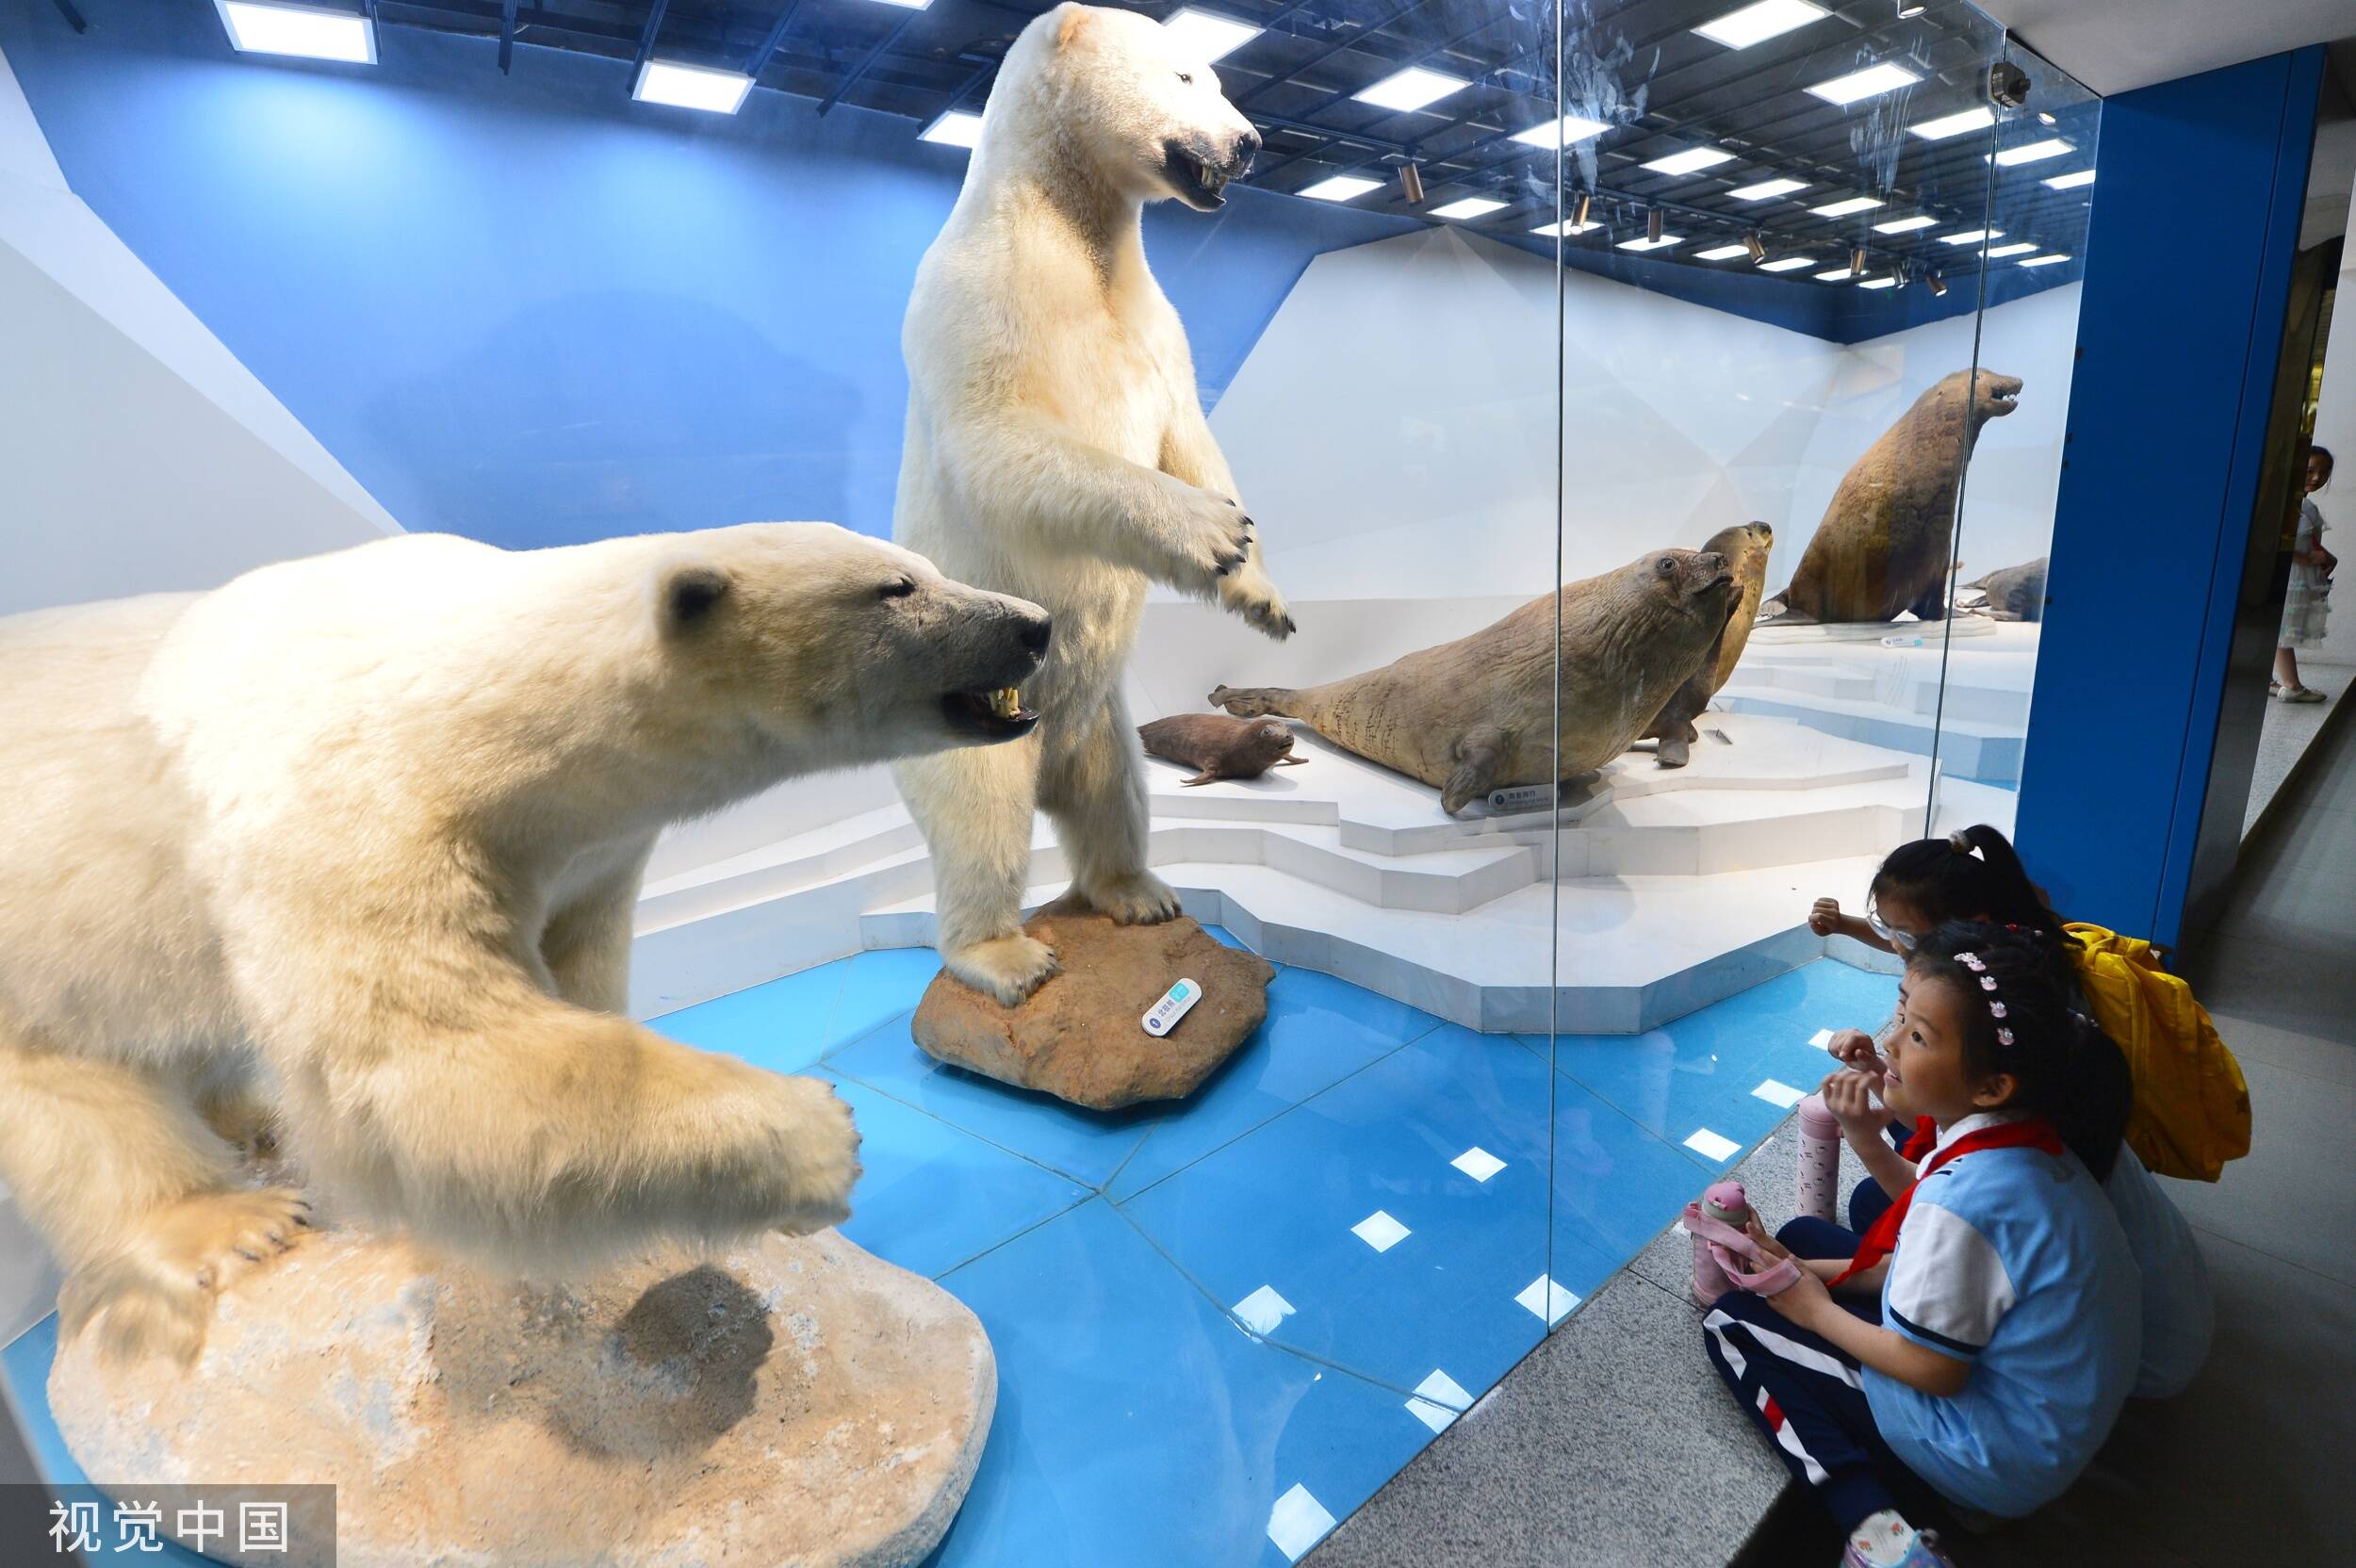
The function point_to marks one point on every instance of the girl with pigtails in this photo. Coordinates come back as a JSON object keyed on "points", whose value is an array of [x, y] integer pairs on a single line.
{"points": [[2000, 1327]]}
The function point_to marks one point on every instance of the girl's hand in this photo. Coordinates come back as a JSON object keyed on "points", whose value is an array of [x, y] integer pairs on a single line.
{"points": [[1849, 1095], [1767, 1243], [1823, 916], [1805, 1301], [1854, 1048]]}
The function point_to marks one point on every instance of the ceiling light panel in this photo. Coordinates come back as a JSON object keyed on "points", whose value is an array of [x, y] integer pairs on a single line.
{"points": [[1340, 187], [1478, 207], [1843, 209], [2076, 179], [1561, 133], [1410, 88], [1871, 82], [1690, 161], [2035, 151], [1766, 188], [1787, 264], [1954, 125], [1741, 29], [1209, 35]]}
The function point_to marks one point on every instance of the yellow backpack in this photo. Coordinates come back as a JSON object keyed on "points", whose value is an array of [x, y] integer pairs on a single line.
{"points": [[2192, 1108]]}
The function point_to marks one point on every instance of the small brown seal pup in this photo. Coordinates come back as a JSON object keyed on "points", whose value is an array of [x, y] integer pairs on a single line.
{"points": [[1478, 713], [1745, 548], [1222, 747], [1885, 541]]}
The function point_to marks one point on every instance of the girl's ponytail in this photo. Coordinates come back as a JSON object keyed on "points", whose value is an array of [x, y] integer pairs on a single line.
{"points": [[1946, 880], [2097, 1096]]}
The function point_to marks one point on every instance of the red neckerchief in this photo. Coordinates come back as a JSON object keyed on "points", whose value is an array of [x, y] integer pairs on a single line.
{"points": [[1925, 1138], [1879, 1242]]}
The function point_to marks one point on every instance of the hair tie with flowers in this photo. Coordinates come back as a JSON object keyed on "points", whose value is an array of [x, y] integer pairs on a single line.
{"points": [[1988, 983]]}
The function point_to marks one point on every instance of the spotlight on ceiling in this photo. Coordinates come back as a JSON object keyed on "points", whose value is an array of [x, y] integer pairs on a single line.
{"points": [[1756, 23], [1871, 82], [1210, 35], [1579, 209], [1411, 182], [1938, 285], [1410, 88], [305, 32], [1653, 225], [1561, 133], [1470, 206], [692, 86], [1857, 262], [955, 128], [1756, 246]]}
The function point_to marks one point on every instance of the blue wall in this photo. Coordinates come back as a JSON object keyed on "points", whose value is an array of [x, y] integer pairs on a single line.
{"points": [[528, 310], [2179, 334]]}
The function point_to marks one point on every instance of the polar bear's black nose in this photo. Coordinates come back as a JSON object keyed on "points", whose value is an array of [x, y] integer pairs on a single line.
{"points": [[1035, 635], [1247, 147]]}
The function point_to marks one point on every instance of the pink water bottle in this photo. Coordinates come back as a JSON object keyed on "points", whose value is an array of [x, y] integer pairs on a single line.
{"points": [[1820, 1160], [1730, 1206]]}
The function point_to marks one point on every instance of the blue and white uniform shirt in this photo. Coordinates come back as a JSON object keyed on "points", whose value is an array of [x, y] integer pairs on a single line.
{"points": [[2012, 1260]]}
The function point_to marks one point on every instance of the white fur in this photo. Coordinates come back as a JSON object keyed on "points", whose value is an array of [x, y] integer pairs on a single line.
{"points": [[359, 836], [1057, 449]]}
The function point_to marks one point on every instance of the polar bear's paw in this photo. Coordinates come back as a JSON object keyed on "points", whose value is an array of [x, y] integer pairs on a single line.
{"points": [[1247, 592], [1213, 538], [1006, 968], [1139, 899], [824, 1165], [154, 1295]]}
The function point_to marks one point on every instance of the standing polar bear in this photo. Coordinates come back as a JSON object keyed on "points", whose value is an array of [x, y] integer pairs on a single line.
{"points": [[360, 837], [1057, 449]]}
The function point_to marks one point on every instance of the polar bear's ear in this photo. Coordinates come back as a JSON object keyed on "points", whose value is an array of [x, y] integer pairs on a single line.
{"points": [[688, 594], [1075, 19]]}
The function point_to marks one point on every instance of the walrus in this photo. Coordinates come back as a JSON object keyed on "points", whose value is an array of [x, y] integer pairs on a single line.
{"points": [[1222, 747], [1745, 548], [1884, 544], [1478, 713], [2016, 593]]}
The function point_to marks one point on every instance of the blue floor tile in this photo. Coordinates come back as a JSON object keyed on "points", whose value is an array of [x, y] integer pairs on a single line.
{"points": [[781, 1026], [930, 1197], [1136, 1423], [1701, 1073], [1318, 1030], [881, 984], [1087, 1146], [1278, 1208]]}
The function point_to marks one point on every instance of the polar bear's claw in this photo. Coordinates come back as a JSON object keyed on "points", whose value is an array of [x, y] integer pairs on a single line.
{"points": [[154, 1295], [1008, 968], [1139, 899]]}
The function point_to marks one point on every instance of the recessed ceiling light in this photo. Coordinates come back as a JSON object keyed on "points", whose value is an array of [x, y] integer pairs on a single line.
{"points": [[1972, 237], [1906, 225], [2018, 248], [1885, 281], [1691, 161], [2073, 180], [1835, 274], [955, 128], [1561, 133], [1786, 264], [2035, 151], [1339, 187], [1760, 22], [1567, 228], [1210, 35], [1954, 125], [1843, 209], [1410, 88], [1643, 242], [1765, 188], [1478, 207], [1724, 252], [910, 5], [691, 87], [1868, 83], [2045, 260], [305, 32]]}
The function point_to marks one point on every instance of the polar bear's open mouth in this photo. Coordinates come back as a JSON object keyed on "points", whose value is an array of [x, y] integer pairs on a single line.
{"points": [[997, 715], [1193, 177]]}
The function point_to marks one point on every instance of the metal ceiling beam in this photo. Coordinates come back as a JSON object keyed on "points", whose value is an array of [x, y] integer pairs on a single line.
{"points": [[865, 65], [507, 34], [73, 17], [646, 38], [1350, 42], [761, 56]]}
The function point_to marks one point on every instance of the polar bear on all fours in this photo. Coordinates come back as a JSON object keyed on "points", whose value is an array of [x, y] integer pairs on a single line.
{"points": [[1057, 449], [353, 842]]}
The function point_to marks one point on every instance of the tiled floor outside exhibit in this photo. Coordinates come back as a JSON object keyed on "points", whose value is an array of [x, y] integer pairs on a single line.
{"points": [[1220, 1326]]}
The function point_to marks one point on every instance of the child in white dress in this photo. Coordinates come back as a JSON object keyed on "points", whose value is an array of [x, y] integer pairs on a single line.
{"points": [[2308, 602]]}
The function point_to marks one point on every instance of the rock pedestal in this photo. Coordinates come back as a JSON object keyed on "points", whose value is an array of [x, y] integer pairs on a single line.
{"points": [[1078, 1037], [791, 1401]]}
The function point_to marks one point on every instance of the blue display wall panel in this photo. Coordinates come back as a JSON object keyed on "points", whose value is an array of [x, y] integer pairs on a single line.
{"points": [[2177, 350], [1222, 1324]]}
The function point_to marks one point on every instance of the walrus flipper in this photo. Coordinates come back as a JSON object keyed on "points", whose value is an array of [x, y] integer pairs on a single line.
{"points": [[1478, 757], [1251, 702], [1290, 762], [1205, 777]]}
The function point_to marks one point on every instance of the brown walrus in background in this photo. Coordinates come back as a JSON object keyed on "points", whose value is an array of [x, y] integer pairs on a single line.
{"points": [[1884, 545], [1221, 746], [1745, 548], [1478, 713], [2015, 593]]}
